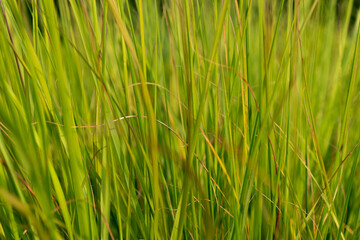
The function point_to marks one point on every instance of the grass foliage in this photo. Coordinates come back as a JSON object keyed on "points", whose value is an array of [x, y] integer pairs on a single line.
{"points": [[159, 119]]}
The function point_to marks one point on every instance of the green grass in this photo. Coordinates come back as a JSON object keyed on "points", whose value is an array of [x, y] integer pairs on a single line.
{"points": [[179, 119]]}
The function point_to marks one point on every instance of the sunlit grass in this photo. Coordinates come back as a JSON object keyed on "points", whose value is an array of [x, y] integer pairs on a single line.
{"points": [[179, 119]]}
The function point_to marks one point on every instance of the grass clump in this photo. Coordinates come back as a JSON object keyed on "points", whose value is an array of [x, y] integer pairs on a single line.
{"points": [[179, 119]]}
